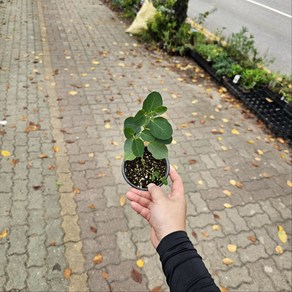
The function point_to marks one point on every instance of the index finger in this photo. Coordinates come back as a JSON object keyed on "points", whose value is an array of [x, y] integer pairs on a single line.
{"points": [[177, 184]]}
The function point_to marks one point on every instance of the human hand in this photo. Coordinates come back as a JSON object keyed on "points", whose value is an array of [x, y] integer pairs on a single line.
{"points": [[165, 214]]}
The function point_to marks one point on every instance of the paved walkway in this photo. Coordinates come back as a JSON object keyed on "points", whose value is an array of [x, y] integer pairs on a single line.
{"points": [[69, 76]]}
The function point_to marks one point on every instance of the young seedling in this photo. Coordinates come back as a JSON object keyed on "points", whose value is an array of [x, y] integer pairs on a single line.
{"points": [[145, 150]]}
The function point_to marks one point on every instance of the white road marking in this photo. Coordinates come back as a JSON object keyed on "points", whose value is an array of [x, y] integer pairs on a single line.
{"points": [[270, 8]]}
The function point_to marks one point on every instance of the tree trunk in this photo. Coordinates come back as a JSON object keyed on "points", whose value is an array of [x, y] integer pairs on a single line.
{"points": [[180, 11]]}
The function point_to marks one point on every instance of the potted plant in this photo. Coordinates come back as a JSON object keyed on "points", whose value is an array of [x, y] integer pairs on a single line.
{"points": [[145, 151]]}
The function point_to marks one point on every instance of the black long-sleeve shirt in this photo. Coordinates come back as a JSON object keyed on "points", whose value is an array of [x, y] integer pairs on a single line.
{"points": [[183, 266]]}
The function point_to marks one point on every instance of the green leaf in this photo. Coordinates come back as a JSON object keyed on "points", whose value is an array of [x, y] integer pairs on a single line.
{"points": [[130, 123], [167, 141], [138, 147], [158, 150], [160, 110], [140, 118], [129, 132], [152, 101], [147, 136], [128, 153], [160, 128]]}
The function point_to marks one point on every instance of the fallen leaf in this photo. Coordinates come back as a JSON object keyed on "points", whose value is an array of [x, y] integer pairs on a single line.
{"points": [[76, 191], [239, 184], [32, 127], [223, 289], [192, 161], [42, 156], [224, 148], [227, 261], [205, 233], [136, 276], [5, 153], [216, 216], [232, 247], [101, 174], [122, 200], [72, 92], [104, 275], [93, 229], [140, 263], [56, 149], [227, 193], [90, 155], [232, 182], [289, 183], [282, 234], [250, 141], [252, 238], [225, 120], [216, 227], [67, 273], [228, 206], [194, 234], [118, 157], [36, 188], [260, 152], [234, 132], [14, 161], [107, 125], [265, 175], [3, 233], [53, 243], [91, 206], [279, 249], [98, 259], [51, 167], [200, 182], [95, 62], [157, 289]]}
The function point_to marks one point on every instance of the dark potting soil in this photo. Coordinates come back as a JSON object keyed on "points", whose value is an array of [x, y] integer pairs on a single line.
{"points": [[140, 174]]}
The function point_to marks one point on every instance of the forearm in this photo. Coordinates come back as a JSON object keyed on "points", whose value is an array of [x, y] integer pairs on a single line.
{"points": [[183, 266]]}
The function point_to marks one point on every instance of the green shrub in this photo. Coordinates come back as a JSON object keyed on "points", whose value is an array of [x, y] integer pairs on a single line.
{"points": [[255, 77], [129, 7]]}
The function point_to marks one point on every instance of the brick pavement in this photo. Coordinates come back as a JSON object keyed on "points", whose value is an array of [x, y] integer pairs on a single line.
{"points": [[69, 68]]}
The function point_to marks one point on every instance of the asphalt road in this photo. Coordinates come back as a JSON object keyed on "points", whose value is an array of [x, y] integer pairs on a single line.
{"points": [[268, 20]]}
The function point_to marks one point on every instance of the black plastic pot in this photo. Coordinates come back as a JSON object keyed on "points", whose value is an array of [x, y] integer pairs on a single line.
{"points": [[137, 187]]}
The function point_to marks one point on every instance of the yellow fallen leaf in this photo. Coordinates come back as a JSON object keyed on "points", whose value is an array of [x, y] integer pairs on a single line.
{"points": [[234, 132], [289, 183], [188, 134], [140, 263], [121, 64], [216, 227], [283, 156], [173, 142], [5, 153], [67, 273], [279, 249], [72, 92], [104, 275], [224, 148], [232, 247], [122, 200], [118, 157], [84, 74], [90, 155], [282, 234], [227, 205], [223, 289], [95, 62], [232, 182], [227, 193], [98, 259], [250, 141], [200, 182], [225, 120], [227, 261], [3, 233], [107, 125], [260, 152], [56, 149]]}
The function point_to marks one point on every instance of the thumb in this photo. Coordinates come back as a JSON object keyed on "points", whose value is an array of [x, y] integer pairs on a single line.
{"points": [[155, 192]]}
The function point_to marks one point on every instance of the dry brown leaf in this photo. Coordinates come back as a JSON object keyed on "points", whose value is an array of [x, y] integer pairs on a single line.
{"points": [[31, 127], [93, 229], [42, 156], [136, 276], [239, 184], [223, 289], [194, 234], [51, 167], [67, 273], [14, 162], [252, 238], [192, 161], [205, 233], [98, 259], [104, 275], [265, 175], [227, 261], [157, 289], [216, 216], [91, 206]]}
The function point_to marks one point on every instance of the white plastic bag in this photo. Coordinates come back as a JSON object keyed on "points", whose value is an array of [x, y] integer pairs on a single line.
{"points": [[145, 14]]}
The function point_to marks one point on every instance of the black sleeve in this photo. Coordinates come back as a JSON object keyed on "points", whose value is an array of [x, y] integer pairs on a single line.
{"points": [[183, 266]]}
